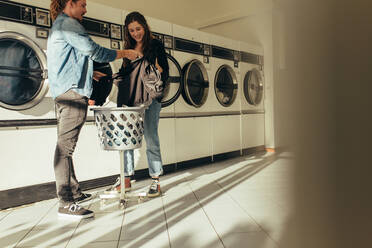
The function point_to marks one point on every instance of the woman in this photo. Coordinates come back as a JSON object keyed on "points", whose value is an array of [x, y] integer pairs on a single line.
{"points": [[132, 92]]}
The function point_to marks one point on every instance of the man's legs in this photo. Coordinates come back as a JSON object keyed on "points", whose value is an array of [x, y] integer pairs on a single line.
{"points": [[71, 109]]}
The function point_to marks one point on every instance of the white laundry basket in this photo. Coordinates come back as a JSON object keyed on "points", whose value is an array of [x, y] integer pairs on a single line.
{"points": [[120, 128]]}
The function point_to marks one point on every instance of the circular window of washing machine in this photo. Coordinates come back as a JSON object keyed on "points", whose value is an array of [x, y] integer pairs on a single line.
{"points": [[173, 86], [225, 85], [22, 72], [253, 87], [195, 83]]}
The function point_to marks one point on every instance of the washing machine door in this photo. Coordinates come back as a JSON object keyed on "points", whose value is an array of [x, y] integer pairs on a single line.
{"points": [[253, 87], [23, 72], [174, 83], [225, 85], [195, 83]]}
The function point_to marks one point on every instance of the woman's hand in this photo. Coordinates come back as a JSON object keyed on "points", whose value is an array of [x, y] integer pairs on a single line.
{"points": [[97, 75]]}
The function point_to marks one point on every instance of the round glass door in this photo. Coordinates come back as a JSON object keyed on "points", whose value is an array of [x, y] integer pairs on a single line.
{"points": [[253, 87], [195, 83], [173, 86], [225, 85], [22, 72]]}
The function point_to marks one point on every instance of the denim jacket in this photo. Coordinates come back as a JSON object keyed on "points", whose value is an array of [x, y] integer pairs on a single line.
{"points": [[71, 53]]}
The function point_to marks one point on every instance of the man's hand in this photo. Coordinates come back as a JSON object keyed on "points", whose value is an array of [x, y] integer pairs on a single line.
{"points": [[130, 54]]}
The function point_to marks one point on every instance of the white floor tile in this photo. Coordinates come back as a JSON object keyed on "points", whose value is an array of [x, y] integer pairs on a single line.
{"points": [[4, 213], [52, 237], [151, 211], [244, 240], [216, 200], [144, 231], [10, 237], [182, 201], [144, 215], [177, 190], [172, 180], [114, 219], [230, 220], [19, 222], [94, 233], [192, 221], [103, 244], [234, 225], [194, 238], [158, 242], [190, 212]]}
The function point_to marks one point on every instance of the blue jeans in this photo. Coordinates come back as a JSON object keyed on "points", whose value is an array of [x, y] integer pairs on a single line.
{"points": [[151, 124]]}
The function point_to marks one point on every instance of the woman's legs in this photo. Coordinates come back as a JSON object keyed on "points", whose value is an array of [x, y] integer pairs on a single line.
{"points": [[151, 124]]}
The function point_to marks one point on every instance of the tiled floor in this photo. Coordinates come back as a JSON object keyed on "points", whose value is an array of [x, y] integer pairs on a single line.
{"points": [[241, 202]]}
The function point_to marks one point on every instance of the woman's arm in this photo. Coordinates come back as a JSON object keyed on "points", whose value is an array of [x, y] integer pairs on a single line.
{"points": [[162, 61], [158, 66]]}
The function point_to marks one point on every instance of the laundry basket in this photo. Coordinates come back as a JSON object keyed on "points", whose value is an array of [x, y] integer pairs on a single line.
{"points": [[119, 128]]}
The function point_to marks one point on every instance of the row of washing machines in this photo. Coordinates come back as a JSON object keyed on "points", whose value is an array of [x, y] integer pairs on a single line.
{"points": [[214, 103]]}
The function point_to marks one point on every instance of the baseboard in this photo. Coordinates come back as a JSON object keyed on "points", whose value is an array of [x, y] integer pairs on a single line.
{"points": [[226, 155], [251, 150], [40, 192], [270, 149], [184, 165]]}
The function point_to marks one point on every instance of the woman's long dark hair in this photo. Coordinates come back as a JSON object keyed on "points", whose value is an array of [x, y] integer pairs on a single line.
{"points": [[129, 42], [57, 6]]}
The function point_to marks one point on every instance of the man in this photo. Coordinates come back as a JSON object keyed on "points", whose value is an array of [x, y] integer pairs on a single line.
{"points": [[71, 53]]}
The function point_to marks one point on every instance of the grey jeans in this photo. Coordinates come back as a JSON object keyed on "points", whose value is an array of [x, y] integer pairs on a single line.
{"points": [[71, 112]]}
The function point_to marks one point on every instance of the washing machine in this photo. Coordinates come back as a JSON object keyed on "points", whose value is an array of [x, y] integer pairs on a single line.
{"points": [[27, 118], [24, 84], [192, 108], [224, 100], [252, 96]]}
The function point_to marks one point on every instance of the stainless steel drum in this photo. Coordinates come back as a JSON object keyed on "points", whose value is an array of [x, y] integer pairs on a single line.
{"points": [[23, 72], [253, 87], [195, 83], [225, 85]]}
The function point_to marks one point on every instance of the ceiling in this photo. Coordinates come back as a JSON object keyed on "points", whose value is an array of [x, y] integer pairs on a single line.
{"points": [[198, 14]]}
